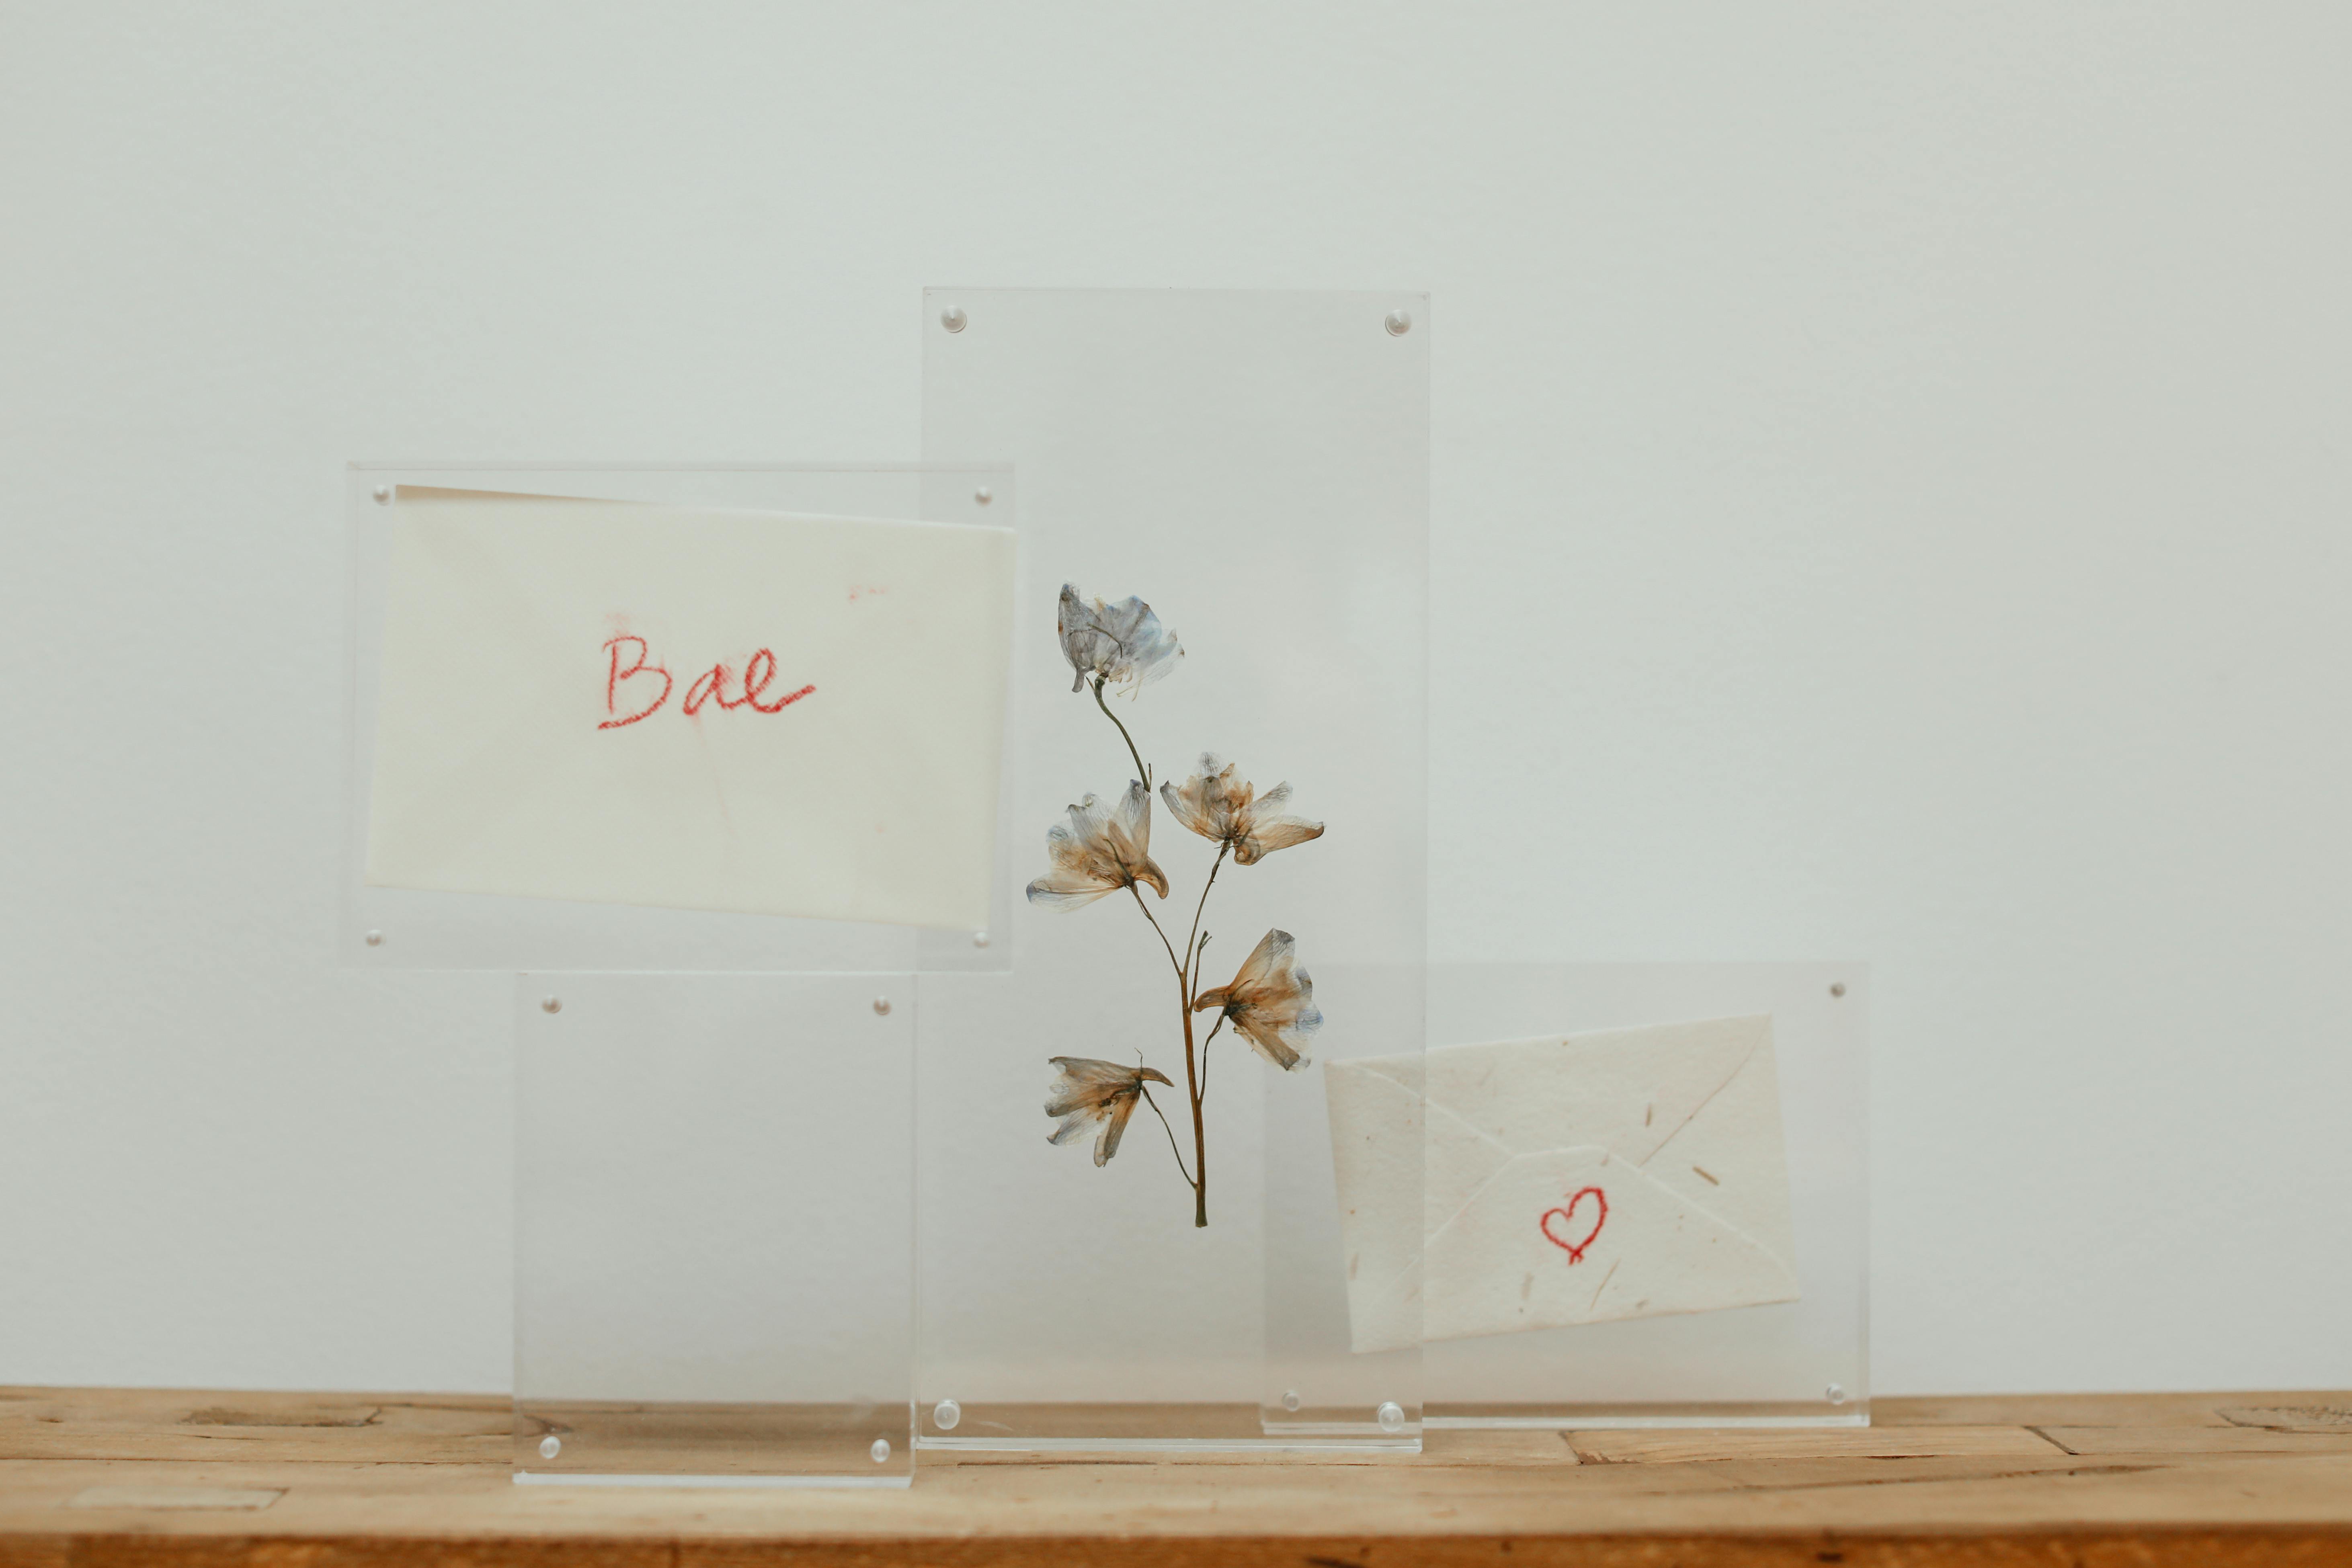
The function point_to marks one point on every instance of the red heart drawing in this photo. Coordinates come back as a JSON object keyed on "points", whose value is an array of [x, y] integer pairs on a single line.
{"points": [[1575, 1250]]}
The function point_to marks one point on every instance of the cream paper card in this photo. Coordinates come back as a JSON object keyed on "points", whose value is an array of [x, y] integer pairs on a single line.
{"points": [[749, 711], [1626, 1174]]}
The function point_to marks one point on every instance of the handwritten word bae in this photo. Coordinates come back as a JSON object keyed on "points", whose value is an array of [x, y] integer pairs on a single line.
{"points": [[1575, 1250], [633, 683]]}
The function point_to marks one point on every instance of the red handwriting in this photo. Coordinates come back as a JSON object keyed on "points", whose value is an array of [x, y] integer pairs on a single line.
{"points": [[1575, 1250], [637, 667], [759, 674]]}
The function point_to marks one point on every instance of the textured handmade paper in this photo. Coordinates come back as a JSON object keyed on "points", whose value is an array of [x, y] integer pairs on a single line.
{"points": [[745, 711], [1577, 1179]]}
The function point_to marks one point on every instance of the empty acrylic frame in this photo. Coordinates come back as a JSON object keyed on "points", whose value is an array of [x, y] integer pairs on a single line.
{"points": [[407, 927], [713, 1212], [1704, 1050], [1256, 467]]}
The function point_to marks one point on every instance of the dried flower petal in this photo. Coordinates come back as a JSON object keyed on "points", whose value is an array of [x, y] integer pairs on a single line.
{"points": [[1215, 805], [1103, 1095], [1121, 643], [1097, 852], [1271, 1001]]}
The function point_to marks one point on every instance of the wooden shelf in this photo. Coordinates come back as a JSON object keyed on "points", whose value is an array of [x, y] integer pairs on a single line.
{"points": [[146, 1479]]}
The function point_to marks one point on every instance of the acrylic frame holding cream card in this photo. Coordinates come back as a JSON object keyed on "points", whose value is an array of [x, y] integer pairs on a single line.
{"points": [[1798, 1353], [408, 928], [1255, 466]]}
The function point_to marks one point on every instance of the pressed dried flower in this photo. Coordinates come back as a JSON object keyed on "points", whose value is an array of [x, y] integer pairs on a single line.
{"points": [[1098, 852], [1103, 849], [1091, 1093], [1117, 644], [1215, 805], [1271, 1001]]}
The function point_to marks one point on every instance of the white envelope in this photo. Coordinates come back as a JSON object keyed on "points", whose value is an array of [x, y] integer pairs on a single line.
{"points": [[1576, 1179], [706, 709]]}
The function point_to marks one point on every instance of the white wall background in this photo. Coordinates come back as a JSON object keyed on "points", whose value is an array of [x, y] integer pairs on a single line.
{"points": [[1891, 478]]}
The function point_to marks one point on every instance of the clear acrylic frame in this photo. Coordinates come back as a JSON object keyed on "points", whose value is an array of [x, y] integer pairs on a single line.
{"points": [[398, 927], [713, 1162], [1804, 1363], [1256, 465], [714, 1286], [786, 1225]]}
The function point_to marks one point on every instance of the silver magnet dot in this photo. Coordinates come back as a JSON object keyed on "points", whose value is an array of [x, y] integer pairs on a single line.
{"points": [[882, 1006], [979, 939], [550, 1003], [375, 939], [1398, 323], [1834, 1394], [383, 495], [983, 495], [946, 1414], [952, 319], [550, 1447], [880, 1451], [1837, 988], [1391, 1416], [1290, 1400]]}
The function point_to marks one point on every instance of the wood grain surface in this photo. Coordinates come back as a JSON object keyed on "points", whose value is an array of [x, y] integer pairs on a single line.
{"points": [[134, 1479]]}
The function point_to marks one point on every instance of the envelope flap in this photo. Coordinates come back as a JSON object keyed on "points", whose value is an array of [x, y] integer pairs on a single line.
{"points": [[1676, 1069], [1459, 1160], [1730, 1159], [1403, 1070], [1627, 1090]]}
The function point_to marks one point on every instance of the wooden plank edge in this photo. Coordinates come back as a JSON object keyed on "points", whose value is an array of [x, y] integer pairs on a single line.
{"points": [[2264, 1546]]}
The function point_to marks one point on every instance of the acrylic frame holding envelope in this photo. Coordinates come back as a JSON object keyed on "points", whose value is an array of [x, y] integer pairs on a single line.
{"points": [[404, 928], [1803, 1362], [1569, 1181]]}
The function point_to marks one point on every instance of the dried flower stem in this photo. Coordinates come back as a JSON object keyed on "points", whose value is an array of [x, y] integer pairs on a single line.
{"points": [[1182, 983], [1171, 1136], [1205, 1056], [1196, 1077], [1192, 942], [1200, 1133], [1199, 1090], [1142, 770]]}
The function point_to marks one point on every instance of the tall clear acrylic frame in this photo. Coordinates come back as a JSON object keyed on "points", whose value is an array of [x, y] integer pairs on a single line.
{"points": [[1255, 467], [1800, 1362], [714, 1191], [399, 928]]}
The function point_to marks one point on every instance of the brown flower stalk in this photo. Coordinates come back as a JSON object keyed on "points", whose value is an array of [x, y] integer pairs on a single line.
{"points": [[1270, 1002]]}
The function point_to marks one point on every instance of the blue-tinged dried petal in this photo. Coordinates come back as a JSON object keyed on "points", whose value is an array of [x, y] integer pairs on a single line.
{"points": [[1122, 644]]}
